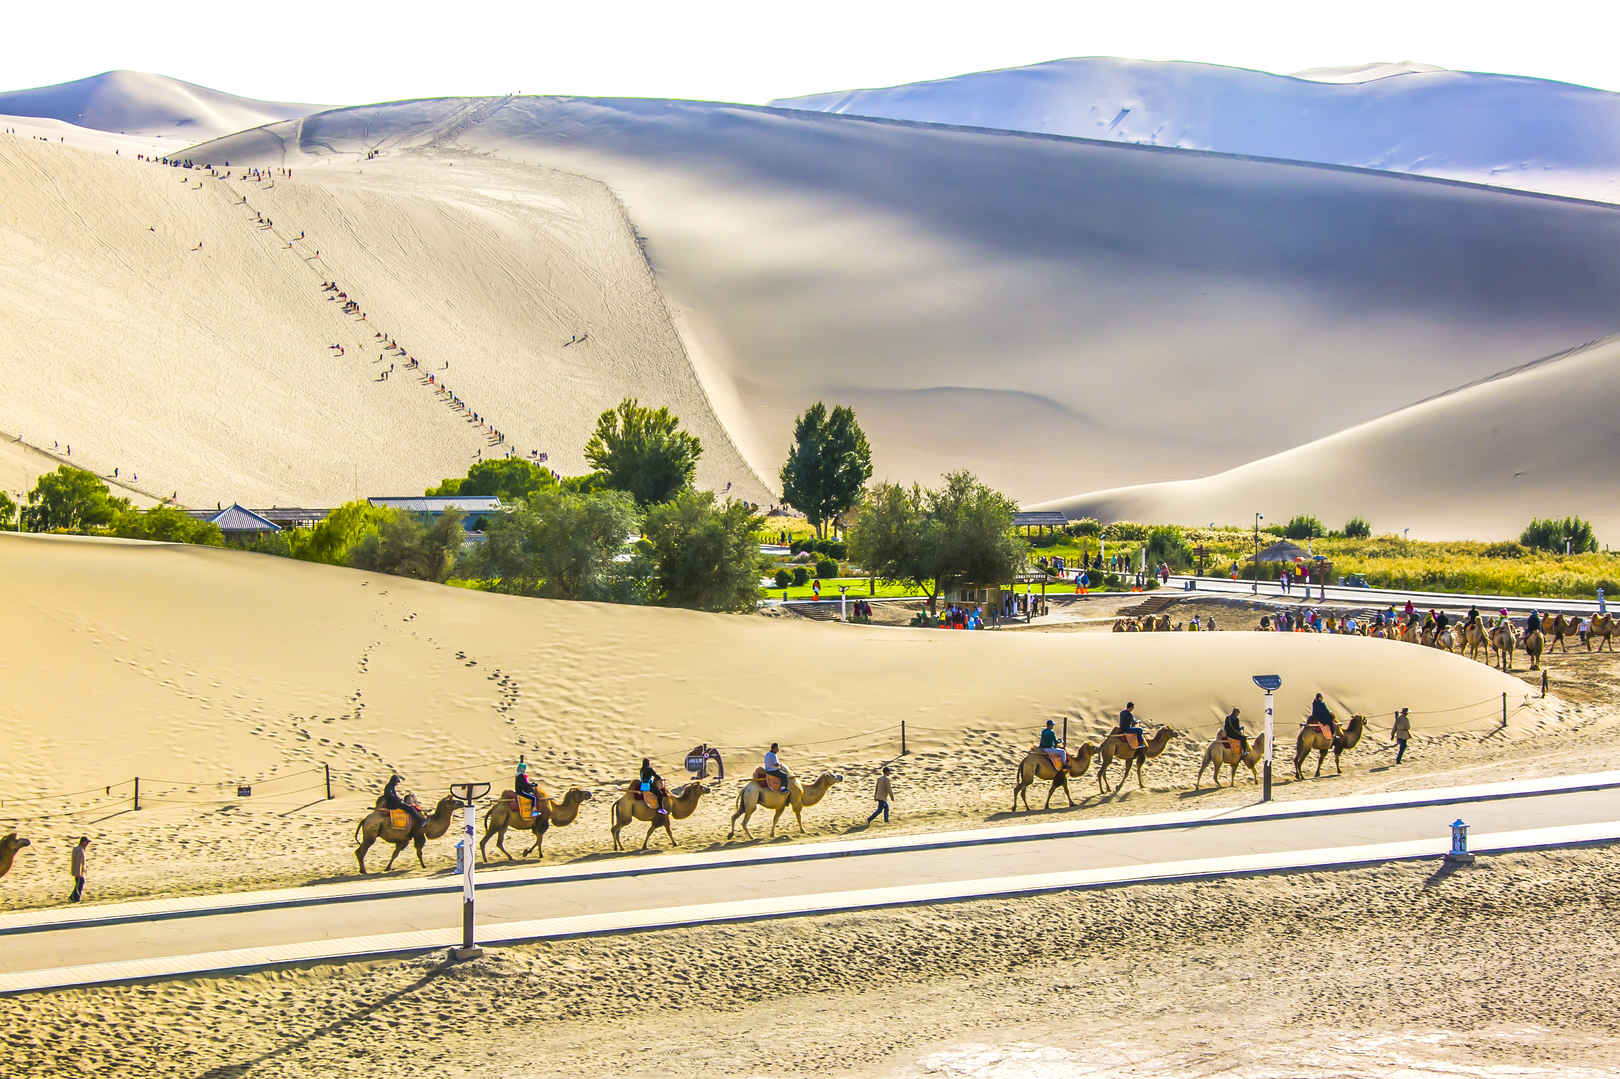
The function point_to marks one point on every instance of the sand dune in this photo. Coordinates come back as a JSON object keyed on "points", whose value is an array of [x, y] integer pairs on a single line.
{"points": [[138, 103], [208, 665], [992, 300], [208, 372], [1477, 463], [1503, 130]]}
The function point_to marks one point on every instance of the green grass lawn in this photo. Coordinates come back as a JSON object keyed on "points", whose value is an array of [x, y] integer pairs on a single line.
{"points": [[858, 589]]}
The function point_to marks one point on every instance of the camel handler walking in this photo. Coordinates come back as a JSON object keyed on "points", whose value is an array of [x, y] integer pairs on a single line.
{"points": [[1401, 732], [882, 793], [77, 866]]}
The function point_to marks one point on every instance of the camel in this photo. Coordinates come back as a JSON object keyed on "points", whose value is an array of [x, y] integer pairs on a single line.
{"points": [[1114, 746], [1119, 625], [1038, 765], [1534, 641], [754, 794], [1410, 633], [9, 846], [1603, 628], [1502, 640], [1475, 638], [1163, 624], [681, 802], [502, 816], [1224, 751], [1312, 741], [379, 825]]}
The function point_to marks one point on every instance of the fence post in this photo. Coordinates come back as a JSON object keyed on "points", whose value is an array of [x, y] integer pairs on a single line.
{"points": [[1543, 684], [137, 792], [902, 738], [1504, 709], [327, 768]]}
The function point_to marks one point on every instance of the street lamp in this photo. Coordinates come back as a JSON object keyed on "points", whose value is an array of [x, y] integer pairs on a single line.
{"points": [[1255, 568]]}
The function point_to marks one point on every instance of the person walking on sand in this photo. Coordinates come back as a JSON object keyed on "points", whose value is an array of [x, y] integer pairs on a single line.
{"points": [[1401, 733], [78, 869], [882, 793]]}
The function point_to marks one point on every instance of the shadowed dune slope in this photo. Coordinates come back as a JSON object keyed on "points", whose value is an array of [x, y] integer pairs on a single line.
{"points": [[1494, 129], [1053, 313], [1478, 463], [208, 370], [134, 102], [182, 663]]}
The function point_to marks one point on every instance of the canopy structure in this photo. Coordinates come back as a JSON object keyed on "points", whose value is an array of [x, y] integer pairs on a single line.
{"points": [[1281, 551]]}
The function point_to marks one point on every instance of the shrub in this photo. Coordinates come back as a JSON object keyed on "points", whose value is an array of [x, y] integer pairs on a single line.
{"points": [[826, 568], [1126, 530], [1085, 526], [783, 578], [1304, 526], [1164, 544], [799, 544], [1357, 528], [1504, 549], [1550, 534], [801, 576], [1046, 539]]}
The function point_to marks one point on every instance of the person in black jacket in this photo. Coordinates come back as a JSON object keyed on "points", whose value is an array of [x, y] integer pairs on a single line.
{"points": [[1234, 729], [392, 800], [1320, 714]]}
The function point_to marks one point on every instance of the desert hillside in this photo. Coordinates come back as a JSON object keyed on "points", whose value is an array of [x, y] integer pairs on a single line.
{"points": [[138, 103], [1036, 308], [164, 330], [1504, 130], [1480, 463]]}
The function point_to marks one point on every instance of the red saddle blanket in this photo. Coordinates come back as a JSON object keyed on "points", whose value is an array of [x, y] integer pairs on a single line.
{"points": [[1132, 742], [1323, 729], [1231, 745], [770, 782]]}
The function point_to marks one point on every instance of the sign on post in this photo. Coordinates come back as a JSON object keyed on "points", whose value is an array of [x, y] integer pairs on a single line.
{"points": [[467, 794], [1270, 683]]}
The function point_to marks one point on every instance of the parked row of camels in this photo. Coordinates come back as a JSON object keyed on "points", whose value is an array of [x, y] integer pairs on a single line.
{"points": [[503, 816], [1220, 753]]}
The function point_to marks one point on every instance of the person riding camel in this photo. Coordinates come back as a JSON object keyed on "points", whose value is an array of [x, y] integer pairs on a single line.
{"points": [[1473, 615], [1129, 725], [1052, 746], [1234, 729], [1532, 623], [392, 800], [773, 765], [525, 788], [652, 783], [1440, 623], [1321, 715]]}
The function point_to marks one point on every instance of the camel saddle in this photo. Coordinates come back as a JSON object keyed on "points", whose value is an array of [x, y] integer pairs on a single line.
{"points": [[399, 819], [1323, 729], [1132, 742], [521, 804], [1231, 745], [769, 782]]}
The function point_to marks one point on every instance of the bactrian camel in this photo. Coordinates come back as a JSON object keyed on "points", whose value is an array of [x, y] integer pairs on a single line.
{"points": [[1226, 751], [502, 816], [630, 806], [1475, 639], [755, 794], [1038, 765], [379, 825], [1534, 641], [1502, 641], [9, 846], [1312, 740], [1603, 629], [1114, 748]]}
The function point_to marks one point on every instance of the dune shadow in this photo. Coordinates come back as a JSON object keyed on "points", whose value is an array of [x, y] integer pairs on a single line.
{"points": [[336, 1026]]}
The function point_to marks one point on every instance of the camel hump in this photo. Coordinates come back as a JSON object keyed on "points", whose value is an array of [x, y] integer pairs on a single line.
{"points": [[759, 773]]}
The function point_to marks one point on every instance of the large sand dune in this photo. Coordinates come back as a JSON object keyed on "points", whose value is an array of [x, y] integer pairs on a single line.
{"points": [[208, 372], [138, 103], [192, 664], [1480, 462], [1495, 129], [1033, 307]]}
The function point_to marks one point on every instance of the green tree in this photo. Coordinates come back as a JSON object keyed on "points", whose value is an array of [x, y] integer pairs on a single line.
{"points": [[961, 532], [562, 545], [1304, 526], [507, 478], [828, 465], [71, 500], [406, 546], [1166, 544], [168, 524], [643, 451], [8, 513], [334, 539], [1357, 528], [703, 553], [1552, 533]]}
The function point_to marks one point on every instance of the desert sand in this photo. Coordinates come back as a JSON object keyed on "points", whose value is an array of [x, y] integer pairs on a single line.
{"points": [[1502, 130], [140, 103], [1479, 462]]}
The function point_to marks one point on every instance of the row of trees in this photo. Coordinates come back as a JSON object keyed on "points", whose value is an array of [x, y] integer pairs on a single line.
{"points": [[73, 500]]}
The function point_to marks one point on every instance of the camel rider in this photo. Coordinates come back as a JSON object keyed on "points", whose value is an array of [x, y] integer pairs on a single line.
{"points": [[526, 789], [1320, 714], [1234, 729], [1052, 746], [1533, 623], [1473, 615], [1440, 623], [392, 800], [652, 782], [773, 765], [1129, 725]]}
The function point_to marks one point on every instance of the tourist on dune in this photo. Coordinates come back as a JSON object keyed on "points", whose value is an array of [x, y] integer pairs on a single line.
{"points": [[1053, 747], [524, 786], [77, 866], [1401, 733], [1320, 714], [882, 793], [392, 800], [1128, 723], [773, 765], [652, 783], [1234, 729]]}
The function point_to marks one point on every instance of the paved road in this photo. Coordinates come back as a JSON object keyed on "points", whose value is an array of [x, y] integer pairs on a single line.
{"points": [[38, 940], [1382, 597]]}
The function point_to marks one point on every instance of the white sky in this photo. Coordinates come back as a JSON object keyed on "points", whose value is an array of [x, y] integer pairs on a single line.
{"points": [[361, 51]]}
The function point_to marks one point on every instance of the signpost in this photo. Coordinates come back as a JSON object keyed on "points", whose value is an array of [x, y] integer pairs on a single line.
{"points": [[1270, 683], [467, 794], [843, 603]]}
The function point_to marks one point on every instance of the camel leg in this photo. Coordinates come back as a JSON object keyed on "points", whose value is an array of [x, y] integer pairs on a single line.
{"points": [[779, 811], [360, 852], [1139, 784], [616, 825], [1020, 788], [651, 828], [1321, 758], [421, 841], [668, 830], [1336, 769], [1102, 771], [397, 848], [1201, 766], [1066, 793], [798, 816]]}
